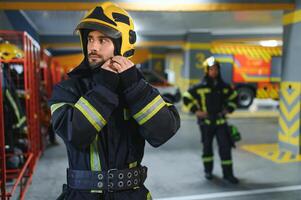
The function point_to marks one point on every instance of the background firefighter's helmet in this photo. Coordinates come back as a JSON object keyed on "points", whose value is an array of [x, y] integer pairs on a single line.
{"points": [[112, 21], [10, 51], [209, 62]]}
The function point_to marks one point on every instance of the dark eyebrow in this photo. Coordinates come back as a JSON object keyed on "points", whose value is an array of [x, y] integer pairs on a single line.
{"points": [[103, 37]]}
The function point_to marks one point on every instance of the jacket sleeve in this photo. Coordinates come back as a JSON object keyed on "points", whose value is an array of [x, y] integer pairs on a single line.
{"points": [[77, 119], [158, 120], [190, 101], [230, 99]]}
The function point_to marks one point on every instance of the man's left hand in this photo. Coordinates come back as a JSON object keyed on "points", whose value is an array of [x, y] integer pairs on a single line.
{"points": [[121, 63]]}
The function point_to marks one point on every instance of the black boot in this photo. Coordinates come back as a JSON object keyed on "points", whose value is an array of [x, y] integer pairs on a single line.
{"points": [[208, 165], [208, 176], [228, 174]]}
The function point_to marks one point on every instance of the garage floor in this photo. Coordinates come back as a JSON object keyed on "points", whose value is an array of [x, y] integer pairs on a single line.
{"points": [[176, 171]]}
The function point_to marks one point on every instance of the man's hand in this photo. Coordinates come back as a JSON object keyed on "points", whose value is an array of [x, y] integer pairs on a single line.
{"points": [[108, 65], [201, 114], [117, 64], [120, 63]]}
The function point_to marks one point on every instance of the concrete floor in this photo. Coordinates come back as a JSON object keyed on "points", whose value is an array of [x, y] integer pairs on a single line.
{"points": [[176, 171]]}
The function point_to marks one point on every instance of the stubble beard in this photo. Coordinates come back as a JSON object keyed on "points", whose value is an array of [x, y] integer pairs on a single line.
{"points": [[94, 63]]}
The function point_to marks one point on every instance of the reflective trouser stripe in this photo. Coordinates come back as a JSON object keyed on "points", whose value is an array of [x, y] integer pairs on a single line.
{"points": [[207, 121], [90, 113], [233, 105], [94, 159], [220, 121], [226, 162], [207, 159], [149, 110], [233, 96], [149, 196]]}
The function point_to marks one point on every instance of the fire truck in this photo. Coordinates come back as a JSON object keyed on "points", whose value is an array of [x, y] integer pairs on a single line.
{"points": [[254, 71]]}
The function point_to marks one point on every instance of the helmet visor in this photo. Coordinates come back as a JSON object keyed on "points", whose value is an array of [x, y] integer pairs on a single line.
{"points": [[110, 32]]}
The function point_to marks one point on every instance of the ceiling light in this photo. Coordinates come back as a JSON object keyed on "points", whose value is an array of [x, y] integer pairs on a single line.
{"points": [[270, 43]]}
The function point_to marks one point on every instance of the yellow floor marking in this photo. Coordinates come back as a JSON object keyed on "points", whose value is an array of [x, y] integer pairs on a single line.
{"points": [[271, 152]]}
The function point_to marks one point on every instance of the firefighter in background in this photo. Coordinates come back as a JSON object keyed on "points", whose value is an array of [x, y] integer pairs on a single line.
{"points": [[211, 100], [105, 111]]}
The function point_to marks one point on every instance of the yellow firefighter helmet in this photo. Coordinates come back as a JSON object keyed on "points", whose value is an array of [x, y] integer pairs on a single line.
{"points": [[113, 21], [10, 51]]}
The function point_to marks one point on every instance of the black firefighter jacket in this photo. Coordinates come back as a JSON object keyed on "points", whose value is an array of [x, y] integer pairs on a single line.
{"points": [[212, 97], [104, 120]]}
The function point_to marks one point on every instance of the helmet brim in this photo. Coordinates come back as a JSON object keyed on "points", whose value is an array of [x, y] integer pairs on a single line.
{"points": [[108, 31]]}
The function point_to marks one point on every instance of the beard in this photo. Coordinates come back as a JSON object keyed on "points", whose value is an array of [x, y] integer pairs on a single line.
{"points": [[95, 60]]}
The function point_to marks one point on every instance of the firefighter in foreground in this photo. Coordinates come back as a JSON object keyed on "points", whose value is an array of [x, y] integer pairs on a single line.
{"points": [[105, 111], [211, 100]]}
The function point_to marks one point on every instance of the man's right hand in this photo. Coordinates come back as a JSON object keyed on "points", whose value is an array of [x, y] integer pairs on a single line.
{"points": [[201, 114]]}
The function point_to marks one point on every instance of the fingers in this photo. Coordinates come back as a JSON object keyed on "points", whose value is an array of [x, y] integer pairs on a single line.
{"points": [[108, 65], [122, 63], [117, 64]]}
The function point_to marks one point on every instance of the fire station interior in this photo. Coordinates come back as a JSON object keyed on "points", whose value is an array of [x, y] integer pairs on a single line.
{"points": [[257, 44]]}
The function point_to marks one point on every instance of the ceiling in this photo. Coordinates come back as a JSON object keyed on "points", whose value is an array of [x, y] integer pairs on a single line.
{"points": [[56, 24], [168, 23]]}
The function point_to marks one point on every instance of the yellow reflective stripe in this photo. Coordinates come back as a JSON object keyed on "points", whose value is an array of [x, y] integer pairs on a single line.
{"points": [[94, 159], [149, 110], [207, 121], [95, 112], [233, 96], [151, 114], [208, 159], [188, 95], [126, 114], [202, 93], [220, 121], [149, 196], [169, 104], [94, 156], [226, 162], [90, 113], [233, 105], [133, 164], [193, 100], [56, 106], [21, 121], [13, 104], [190, 105]]}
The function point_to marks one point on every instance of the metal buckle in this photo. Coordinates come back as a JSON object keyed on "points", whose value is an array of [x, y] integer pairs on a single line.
{"points": [[110, 175]]}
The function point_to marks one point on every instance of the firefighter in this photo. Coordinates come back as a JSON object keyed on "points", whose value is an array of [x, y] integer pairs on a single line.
{"points": [[106, 110], [211, 100]]}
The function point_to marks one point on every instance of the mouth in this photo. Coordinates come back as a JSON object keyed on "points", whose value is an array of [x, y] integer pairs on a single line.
{"points": [[94, 56]]}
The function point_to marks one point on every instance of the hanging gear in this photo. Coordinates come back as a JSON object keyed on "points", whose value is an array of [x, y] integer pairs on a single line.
{"points": [[113, 21], [234, 134]]}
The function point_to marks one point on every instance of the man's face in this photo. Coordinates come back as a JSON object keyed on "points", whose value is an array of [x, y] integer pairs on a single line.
{"points": [[100, 48], [213, 72]]}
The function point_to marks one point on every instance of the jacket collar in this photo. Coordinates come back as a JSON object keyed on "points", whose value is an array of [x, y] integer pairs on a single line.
{"points": [[80, 71]]}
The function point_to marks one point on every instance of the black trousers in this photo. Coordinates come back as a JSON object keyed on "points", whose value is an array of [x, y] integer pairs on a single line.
{"points": [[208, 132]]}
